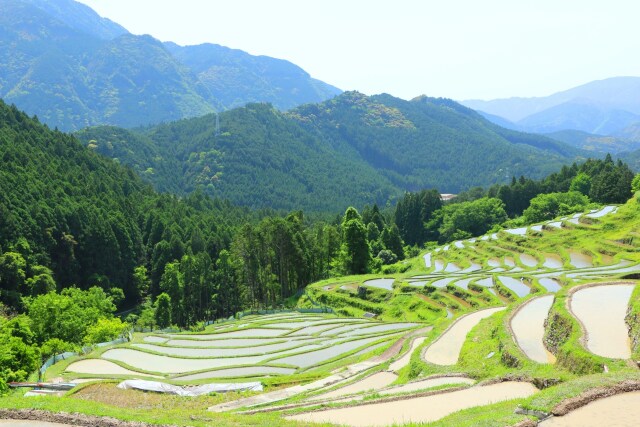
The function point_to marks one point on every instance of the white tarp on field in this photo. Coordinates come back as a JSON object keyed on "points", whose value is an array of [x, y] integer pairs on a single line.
{"points": [[191, 390]]}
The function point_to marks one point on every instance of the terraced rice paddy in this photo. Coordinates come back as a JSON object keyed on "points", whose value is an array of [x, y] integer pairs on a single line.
{"points": [[404, 360], [601, 309], [528, 328], [446, 350], [467, 281], [621, 410], [419, 409], [374, 382], [380, 283], [256, 346], [515, 285]]}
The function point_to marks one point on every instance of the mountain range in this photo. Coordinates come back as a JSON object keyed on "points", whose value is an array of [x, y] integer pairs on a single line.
{"points": [[350, 150], [602, 115], [72, 68]]}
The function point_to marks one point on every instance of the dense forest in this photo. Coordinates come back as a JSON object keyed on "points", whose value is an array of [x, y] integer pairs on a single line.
{"points": [[82, 238], [351, 150]]}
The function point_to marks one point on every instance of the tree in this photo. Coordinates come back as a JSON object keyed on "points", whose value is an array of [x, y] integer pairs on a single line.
{"points": [[12, 277], [172, 284], [548, 206], [141, 281], [471, 218], [163, 310], [581, 183], [392, 241], [67, 315], [356, 251]]}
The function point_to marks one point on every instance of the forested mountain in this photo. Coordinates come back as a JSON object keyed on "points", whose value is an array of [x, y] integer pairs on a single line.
{"points": [[608, 108], [351, 150], [61, 61], [596, 143], [234, 78]]}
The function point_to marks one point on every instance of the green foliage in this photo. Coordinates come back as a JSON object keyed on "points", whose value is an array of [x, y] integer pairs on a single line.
{"points": [[20, 354], [163, 311], [55, 346], [351, 150], [635, 183], [548, 206], [581, 183], [68, 315], [356, 253], [461, 220], [104, 330]]}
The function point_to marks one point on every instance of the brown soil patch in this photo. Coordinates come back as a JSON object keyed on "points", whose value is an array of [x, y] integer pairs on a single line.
{"points": [[458, 300], [430, 301], [109, 394], [72, 419]]}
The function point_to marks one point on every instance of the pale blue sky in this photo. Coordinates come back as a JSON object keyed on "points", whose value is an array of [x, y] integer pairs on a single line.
{"points": [[459, 49]]}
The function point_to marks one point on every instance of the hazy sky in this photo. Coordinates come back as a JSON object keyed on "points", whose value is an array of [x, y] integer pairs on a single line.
{"points": [[459, 49]]}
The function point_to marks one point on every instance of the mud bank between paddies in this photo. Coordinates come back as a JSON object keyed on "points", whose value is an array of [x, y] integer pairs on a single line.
{"points": [[39, 418]]}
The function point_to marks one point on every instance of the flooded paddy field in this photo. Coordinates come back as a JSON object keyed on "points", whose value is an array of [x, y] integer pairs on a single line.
{"points": [[528, 328], [446, 350], [419, 409], [602, 309]]}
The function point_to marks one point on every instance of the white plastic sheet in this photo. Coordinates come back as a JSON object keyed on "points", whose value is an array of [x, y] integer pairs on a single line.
{"points": [[191, 390]]}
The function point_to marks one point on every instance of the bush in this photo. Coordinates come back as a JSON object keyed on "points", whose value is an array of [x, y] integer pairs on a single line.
{"points": [[105, 330]]}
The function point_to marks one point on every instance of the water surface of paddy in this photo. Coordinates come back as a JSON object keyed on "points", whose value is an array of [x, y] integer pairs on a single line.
{"points": [[443, 282], [528, 328], [446, 349], [427, 383], [427, 260], [515, 285], [602, 309], [419, 409], [579, 260], [244, 371], [224, 343], [622, 410], [319, 356], [552, 261], [549, 284], [373, 382], [528, 260], [380, 283]]}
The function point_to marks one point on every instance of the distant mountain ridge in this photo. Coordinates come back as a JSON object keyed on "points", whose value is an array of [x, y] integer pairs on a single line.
{"points": [[350, 150], [72, 68], [603, 108]]}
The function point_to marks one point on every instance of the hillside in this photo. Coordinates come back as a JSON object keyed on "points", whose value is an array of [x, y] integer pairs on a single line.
{"points": [[352, 150], [596, 143], [605, 107], [72, 68]]}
